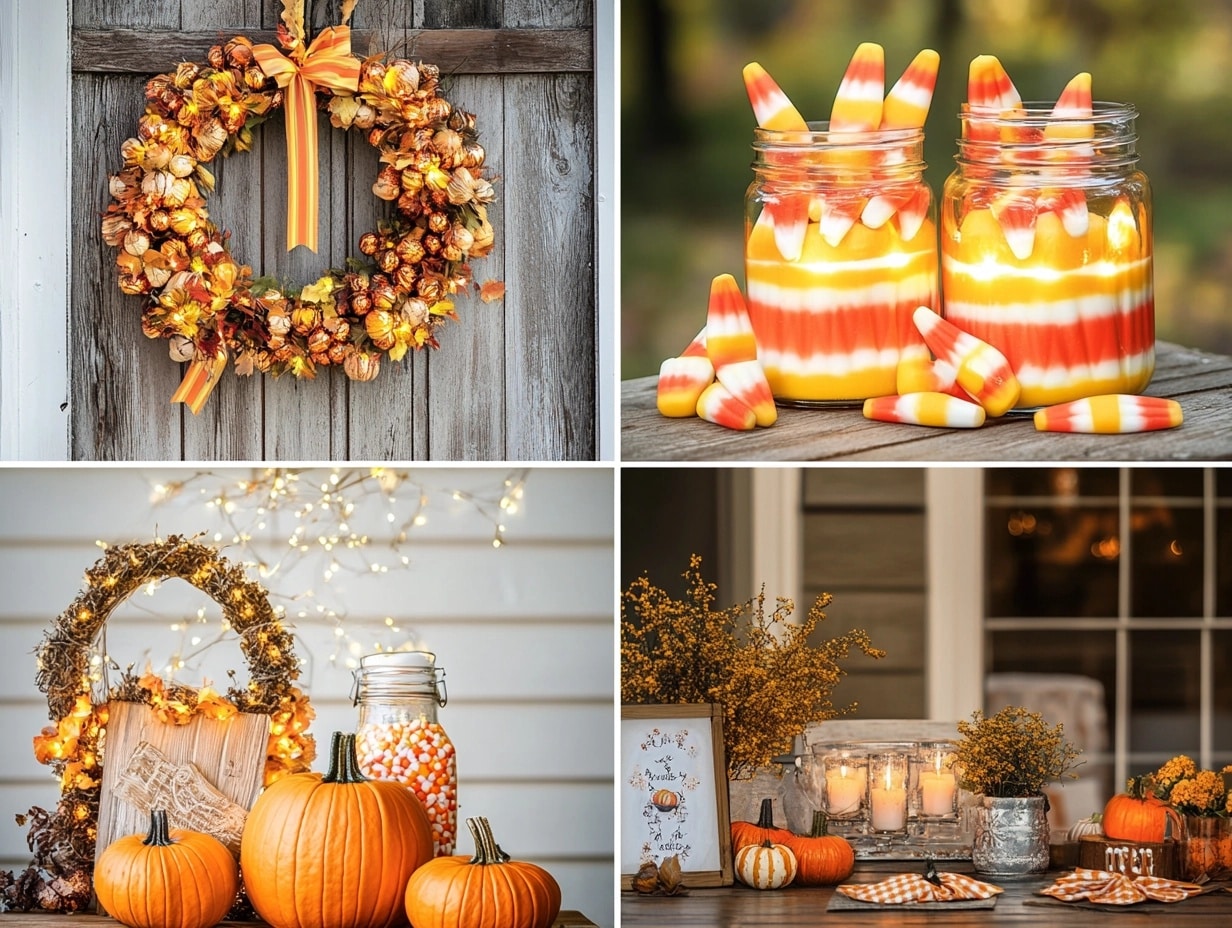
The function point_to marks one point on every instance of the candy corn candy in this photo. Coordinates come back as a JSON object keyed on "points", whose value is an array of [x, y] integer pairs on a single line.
{"points": [[1073, 104], [1110, 414], [771, 107], [788, 215], [681, 382], [906, 105], [1070, 204], [697, 347], [838, 216], [747, 383], [990, 93], [1015, 212], [911, 215], [857, 106], [920, 374], [729, 333], [937, 409], [718, 405], [982, 369]]}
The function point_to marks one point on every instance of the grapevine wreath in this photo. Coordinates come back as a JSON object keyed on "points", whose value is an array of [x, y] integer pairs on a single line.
{"points": [[206, 302], [63, 840]]}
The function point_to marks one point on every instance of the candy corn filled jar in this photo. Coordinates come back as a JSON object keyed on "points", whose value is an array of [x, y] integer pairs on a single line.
{"points": [[1046, 249], [400, 739], [840, 249]]}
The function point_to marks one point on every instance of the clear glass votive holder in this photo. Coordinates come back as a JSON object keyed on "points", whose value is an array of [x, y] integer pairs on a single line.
{"points": [[846, 785], [936, 786], [888, 791]]}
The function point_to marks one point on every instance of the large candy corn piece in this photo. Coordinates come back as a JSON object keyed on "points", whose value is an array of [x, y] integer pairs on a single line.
{"points": [[1110, 414], [729, 334], [857, 106], [921, 374], [697, 347], [771, 107], [681, 382], [787, 215], [982, 370], [718, 405], [1015, 212], [747, 383], [990, 92], [906, 105], [1072, 111], [938, 409]]}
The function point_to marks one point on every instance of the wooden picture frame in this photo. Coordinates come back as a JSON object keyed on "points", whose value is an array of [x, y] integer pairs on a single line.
{"points": [[676, 750]]}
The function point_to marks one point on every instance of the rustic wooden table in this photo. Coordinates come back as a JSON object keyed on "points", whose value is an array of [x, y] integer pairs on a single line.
{"points": [[1019, 905], [37, 920], [1201, 382]]}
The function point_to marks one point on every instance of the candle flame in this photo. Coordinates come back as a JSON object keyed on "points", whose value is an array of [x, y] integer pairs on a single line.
{"points": [[938, 763], [842, 771], [887, 771]]}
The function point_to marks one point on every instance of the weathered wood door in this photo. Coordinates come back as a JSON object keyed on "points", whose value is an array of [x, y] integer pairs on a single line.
{"points": [[513, 380]]}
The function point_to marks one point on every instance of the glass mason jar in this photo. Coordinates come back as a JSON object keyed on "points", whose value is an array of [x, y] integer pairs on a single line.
{"points": [[399, 738], [840, 249], [1046, 250]]}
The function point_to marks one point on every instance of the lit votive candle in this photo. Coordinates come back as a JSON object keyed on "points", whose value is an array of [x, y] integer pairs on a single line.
{"points": [[938, 789], [889, 808], [844, 789]]}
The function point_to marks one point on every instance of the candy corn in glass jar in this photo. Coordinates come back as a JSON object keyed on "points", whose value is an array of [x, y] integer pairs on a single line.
{"points": [[1046, 243], [400, 739], [840, 234]]}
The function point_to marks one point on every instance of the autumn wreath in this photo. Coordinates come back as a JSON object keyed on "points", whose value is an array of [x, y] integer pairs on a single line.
{"points": [[393, 298]]}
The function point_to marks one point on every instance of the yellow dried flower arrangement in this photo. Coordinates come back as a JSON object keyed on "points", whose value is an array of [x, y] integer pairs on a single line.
{"points": [[1191, 791], [1013, 753], [761, 667]]}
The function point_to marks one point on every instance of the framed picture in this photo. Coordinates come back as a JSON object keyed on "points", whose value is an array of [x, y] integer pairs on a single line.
{"points": [[673, 792]]}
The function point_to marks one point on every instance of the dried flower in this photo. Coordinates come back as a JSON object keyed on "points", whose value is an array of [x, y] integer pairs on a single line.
{"points": [[1191, 791], [1013, 754], [761, 667]]}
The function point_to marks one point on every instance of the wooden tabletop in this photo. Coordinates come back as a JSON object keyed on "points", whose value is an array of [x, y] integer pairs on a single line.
{"points": [[1202, 383], [41, 920], [1020, 905]]}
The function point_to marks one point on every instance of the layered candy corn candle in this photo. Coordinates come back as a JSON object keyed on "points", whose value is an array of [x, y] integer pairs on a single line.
{"points": [[1046, 241], [840, 234]]}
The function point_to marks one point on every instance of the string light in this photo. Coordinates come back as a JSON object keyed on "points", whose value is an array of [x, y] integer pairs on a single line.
{"points": [[329, 510]]}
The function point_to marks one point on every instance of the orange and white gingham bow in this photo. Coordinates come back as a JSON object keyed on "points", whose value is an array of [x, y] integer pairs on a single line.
{"points": [[911, 887], [1108, 888], [327, 62]]}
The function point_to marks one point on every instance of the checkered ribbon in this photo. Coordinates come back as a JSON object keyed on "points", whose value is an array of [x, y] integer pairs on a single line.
{"points": [[1106, 887], [911, 887]]}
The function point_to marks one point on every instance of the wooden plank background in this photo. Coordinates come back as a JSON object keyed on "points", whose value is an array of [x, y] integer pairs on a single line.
{"points": [[514, 380], [523, 632]]}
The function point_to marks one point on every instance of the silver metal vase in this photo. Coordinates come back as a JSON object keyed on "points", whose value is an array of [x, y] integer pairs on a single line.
{"points": [[1011, 836]]}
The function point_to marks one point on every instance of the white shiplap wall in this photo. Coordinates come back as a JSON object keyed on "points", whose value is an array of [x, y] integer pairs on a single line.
{"points": [[525, 633]]}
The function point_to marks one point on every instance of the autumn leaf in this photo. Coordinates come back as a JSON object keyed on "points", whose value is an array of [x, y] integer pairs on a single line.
{"points": [[492, 290]]}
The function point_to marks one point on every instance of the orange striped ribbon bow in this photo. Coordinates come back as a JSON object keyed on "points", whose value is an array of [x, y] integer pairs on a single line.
{"points": [[327, 62]]}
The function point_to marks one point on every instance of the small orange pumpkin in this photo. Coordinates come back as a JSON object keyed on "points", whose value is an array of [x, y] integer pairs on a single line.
{"points": [[765, 866], [489, 890], [822, 859], [168, 879], [333, 851], [664, 800], [1137, 815], [744, 834]]}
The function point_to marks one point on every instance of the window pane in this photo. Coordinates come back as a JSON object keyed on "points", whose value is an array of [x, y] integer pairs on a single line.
{"points": [[1167, 562], [1051, 481], [1223, 482], [1221, 665], [1052, 561], [1166, 481], [1164, 692], [1223, 563]]}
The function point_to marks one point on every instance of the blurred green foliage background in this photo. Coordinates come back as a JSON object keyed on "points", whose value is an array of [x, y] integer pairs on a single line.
{"points": [[686, 129]]}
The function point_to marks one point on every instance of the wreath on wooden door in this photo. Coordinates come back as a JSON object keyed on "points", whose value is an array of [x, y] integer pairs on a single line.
{"points": [[63, 841], [392, 298]]}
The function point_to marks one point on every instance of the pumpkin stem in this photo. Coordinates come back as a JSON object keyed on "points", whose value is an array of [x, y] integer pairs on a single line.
{"points": [[766, 817], [160, 834], [487, 851], [821, 824], [343, 765]]}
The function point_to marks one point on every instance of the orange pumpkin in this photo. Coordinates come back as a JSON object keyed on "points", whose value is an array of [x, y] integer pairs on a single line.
{"points": [[1138, 816], [333, 851], [823, 859], [744, 834], [664, 800], [764, 866], [489, 890], [166, 879]]}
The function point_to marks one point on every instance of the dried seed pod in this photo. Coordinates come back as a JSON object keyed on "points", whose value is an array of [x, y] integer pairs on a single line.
{"points": [[411, 181], [115, 228], [387, 185], [415, 311], [388, 261], [432, 243], [369, 242], [451, 253], [160, 220], [181, 348], [185, 73], [365, 117], [305, 318], [460, 236], [405, 276], [401, 78], [319, 341], [136, 243], [238, 52], [473, 154], [182, 165], [438, 222], [279, 322], [379, 325], [339, 352], [362, 365], [361, 303], [410, 250], [216, 57]]}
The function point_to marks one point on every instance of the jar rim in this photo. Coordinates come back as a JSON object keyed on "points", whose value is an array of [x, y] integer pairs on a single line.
{"points": [[819, 134], [1039, 113]]}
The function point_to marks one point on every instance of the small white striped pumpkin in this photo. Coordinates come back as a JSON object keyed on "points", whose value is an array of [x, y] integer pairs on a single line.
{"points": [[765, 866]]}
